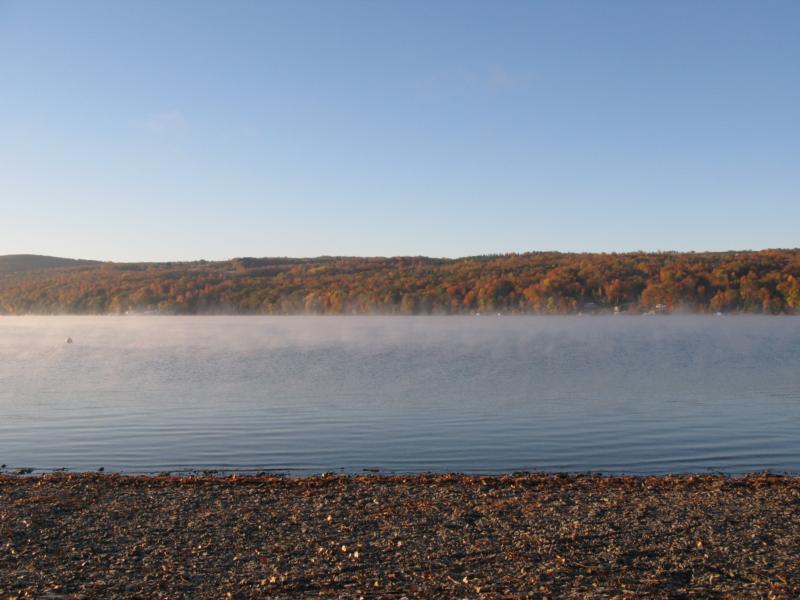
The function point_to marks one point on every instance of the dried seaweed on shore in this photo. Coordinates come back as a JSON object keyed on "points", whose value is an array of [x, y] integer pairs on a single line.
{"points": [[531, 536]]}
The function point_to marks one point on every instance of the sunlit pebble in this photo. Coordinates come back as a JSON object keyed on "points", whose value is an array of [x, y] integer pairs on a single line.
{"points": [[344, 548]]}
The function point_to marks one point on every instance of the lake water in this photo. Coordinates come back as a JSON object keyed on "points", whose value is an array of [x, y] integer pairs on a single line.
{"points": [[403, 394]]}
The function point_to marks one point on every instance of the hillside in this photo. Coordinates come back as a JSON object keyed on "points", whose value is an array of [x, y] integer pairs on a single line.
{"points": [[15, 263], [766, 281]]}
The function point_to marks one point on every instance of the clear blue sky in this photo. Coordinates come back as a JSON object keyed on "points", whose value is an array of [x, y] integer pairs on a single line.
{"points": [[147, 130]]}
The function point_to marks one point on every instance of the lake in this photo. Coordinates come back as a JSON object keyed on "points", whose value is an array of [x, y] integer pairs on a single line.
{"points": [[401, 394]]}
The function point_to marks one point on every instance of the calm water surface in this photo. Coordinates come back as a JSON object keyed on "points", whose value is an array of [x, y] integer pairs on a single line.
{"points": [[489, 394]]}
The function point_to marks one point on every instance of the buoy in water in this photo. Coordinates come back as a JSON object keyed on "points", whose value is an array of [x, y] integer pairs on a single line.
{"points": [[68, 340]]}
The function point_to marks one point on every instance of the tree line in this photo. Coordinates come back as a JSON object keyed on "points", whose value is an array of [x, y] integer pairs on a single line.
{"points": [[765, 281]]}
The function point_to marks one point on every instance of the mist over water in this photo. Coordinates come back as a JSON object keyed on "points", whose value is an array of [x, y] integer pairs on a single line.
{"points": [[489, 394]]}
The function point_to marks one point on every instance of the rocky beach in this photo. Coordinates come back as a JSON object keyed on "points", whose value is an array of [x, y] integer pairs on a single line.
{"points": [[527, 535]]}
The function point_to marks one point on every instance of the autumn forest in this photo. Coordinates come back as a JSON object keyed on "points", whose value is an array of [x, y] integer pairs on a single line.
{"points": [[532, 283]]}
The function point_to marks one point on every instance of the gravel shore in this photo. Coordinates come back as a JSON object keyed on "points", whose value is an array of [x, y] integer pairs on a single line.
{"points": [[429, 536]]}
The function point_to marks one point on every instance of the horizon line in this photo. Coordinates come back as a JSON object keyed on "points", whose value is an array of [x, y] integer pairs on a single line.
{"points": [[398, 256]]}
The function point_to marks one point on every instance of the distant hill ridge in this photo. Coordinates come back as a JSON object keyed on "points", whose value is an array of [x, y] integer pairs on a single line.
{"points": [[14, 263], [765, 281]]}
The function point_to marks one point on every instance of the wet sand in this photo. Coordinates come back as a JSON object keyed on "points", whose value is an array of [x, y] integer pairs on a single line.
{"points": [[531, 536]]}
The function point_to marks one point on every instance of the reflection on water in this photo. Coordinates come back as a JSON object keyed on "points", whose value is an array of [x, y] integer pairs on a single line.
{"points": [[621, 394]]}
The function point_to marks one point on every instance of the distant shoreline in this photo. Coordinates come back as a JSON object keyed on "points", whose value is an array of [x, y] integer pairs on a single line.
{"points": [[541, 283]]}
